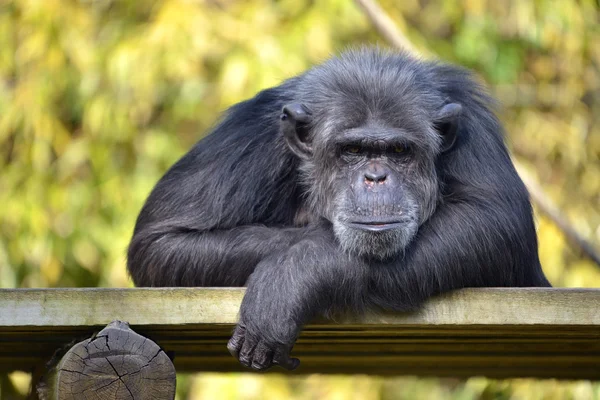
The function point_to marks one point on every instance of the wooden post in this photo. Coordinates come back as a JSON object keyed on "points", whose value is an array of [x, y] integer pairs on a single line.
{"points": [[115, 364]]}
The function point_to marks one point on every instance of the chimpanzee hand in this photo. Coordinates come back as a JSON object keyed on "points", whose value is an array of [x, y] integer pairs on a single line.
{"points": [[272, 313], [260, 354]]}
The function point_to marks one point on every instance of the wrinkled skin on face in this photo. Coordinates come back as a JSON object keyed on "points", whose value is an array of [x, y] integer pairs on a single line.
{"points": [[381, 178], [369, 142]]}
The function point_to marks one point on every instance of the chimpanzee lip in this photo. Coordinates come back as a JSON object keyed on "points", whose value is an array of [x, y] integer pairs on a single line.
{"points": [[376, 226]]}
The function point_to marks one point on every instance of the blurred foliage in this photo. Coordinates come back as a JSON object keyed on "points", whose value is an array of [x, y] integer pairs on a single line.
{"points": [[99, 97]]}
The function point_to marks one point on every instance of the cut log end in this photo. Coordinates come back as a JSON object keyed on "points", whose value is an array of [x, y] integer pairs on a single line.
{"points": [[117, 363]]}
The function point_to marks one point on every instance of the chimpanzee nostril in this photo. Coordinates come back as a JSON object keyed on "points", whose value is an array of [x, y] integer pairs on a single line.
{"points": [[375, 177]]}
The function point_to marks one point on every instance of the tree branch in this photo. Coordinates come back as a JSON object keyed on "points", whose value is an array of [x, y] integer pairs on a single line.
{"points": [[545, 204], [385, 26]]}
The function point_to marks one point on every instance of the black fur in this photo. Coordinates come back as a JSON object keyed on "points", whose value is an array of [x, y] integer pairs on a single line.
{"points": [[295, 204]]}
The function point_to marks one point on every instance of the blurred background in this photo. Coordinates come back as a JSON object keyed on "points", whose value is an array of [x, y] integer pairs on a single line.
{"points": [[98, 98]]}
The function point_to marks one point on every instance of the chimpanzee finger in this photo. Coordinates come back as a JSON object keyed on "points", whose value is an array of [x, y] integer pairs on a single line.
{"points": [[263, 357], [282, 358], [237, 341], [247, 352]]}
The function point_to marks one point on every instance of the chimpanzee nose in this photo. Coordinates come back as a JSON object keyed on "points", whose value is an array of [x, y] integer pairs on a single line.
{"points": [[375, 176]]}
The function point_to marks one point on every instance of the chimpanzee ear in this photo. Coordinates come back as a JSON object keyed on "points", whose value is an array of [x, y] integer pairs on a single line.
{"points": [[295, 118], [446, 124]]}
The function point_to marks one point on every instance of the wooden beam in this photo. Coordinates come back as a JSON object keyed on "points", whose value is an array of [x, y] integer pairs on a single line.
{"points": [[495, 332]]}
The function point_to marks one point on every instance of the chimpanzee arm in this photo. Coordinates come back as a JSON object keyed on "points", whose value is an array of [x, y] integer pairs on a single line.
{"points": [[185, 257], [224, 206], [470, 243], [313, 278]]}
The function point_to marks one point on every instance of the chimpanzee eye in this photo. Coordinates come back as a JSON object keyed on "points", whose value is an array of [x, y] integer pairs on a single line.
{"points": [[353, 149]]}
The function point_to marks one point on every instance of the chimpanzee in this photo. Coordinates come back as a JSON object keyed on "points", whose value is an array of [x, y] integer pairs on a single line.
{"points": [[372, 181]]}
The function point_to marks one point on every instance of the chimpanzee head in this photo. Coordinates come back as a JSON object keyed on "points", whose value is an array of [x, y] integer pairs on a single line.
{"points": [[369, 129]]}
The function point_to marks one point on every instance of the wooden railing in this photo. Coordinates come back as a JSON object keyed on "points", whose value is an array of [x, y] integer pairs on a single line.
{"points": [[545, 333]]}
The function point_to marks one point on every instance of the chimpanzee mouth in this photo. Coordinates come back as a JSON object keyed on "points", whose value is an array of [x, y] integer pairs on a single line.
{"points": [[377, 226]]}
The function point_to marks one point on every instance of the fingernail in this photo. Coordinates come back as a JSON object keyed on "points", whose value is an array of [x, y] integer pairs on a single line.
{"points": [[295, 363]]}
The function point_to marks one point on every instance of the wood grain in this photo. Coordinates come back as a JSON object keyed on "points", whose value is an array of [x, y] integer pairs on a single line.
{"points": [[117, 363]]}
